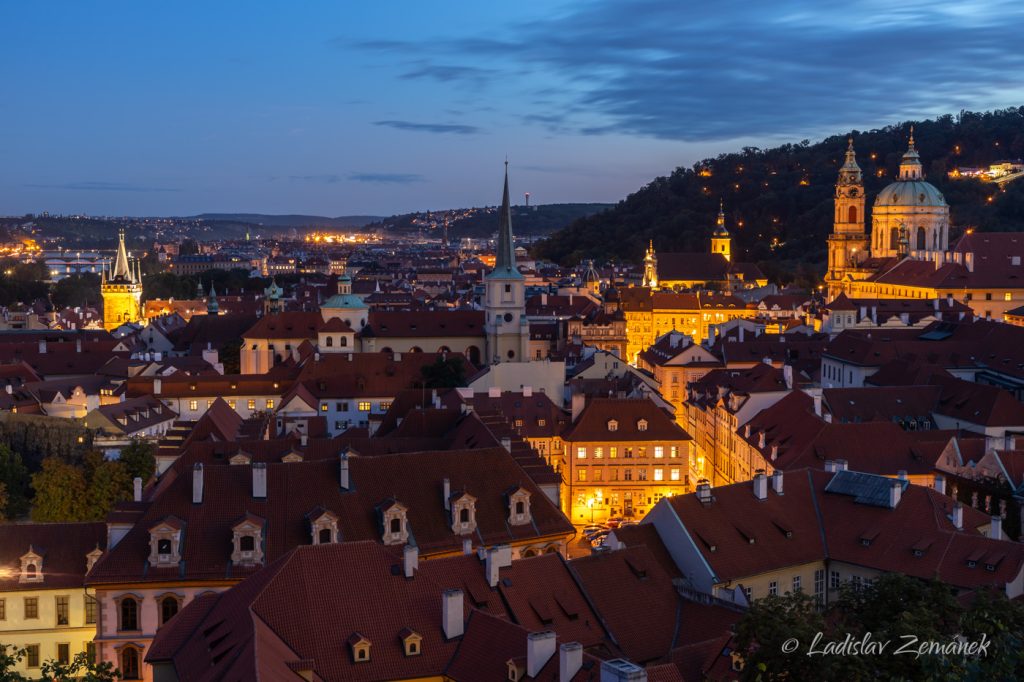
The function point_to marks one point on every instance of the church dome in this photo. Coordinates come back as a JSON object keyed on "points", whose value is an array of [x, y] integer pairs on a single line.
{"points": [[908, 194]]}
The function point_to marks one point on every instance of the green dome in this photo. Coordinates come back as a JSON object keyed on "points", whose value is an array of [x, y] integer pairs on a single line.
{"points": [[907, 194]]}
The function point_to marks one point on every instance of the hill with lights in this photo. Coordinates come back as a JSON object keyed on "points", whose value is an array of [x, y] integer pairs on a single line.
{"points": [[778, 202]]}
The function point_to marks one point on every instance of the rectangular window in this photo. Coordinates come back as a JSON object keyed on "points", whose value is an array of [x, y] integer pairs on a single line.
{"points": [[31, 607], [3, 609], [341, 407], [581, 452], [659, 474], [749, 594], [598, 474], [773, 588], [628, 475], [641, 474], [673, 474], [797, 583], [581, 474], [90, 651], [674, 452], [834, 580], [90, 610], [209, 404], [598, 452], [251, 404], [659, 451], [819, 586], [856, 582], [323, 407], [32, 655], [193, 405], [613, 452], [1007, 296], [627, 453], [364, 405], [270, 403], [64, 653], [62, 610], [641, 451], [385, 405], [232, 404]]}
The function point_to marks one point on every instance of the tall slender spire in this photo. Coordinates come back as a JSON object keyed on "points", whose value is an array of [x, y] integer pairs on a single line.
{"points": [[505, 261], [121, 268], [910, 164], [720, 230]]}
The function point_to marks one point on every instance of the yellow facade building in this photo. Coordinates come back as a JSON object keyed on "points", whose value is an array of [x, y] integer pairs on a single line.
{"points": [[121, 291]]}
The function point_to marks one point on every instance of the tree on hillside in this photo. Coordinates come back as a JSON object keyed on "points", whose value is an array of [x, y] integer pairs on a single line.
{"points": [[107, 482], [61, 492], [15, 478], [445, 372], [138, 459], [76, 290]]}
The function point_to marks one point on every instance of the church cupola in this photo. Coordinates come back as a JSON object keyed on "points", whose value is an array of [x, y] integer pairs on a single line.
{"points": [[650, 267], [910, 164], [721, 240]]}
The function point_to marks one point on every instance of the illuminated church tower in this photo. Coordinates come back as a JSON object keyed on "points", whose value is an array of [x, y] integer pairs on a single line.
{"points": [[848, 243], [508, 333], [650, 267], [121, 291], [721, 240]]}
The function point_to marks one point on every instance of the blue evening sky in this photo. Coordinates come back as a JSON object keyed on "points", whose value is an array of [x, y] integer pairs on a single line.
{"points": [[337, 108]]}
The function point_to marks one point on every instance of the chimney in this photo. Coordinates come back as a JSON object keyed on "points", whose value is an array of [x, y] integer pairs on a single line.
{"points": [[741, 334], [506, 442], [78, 345], [775, 451], [343, 477], [761, 439], [995, 530], [137, 489], [157, 385], [787, 374], [817, 404], [940, 484], [303, 439], [957, 517], [830, 466], [467, 546], [570, 660], [621, 670], [902, 474], [874, 314], [447, 494], [704, 493], [579, 401], [197, 484], [410, 560], [760, 486], [777, 482], [451, 614], [842, 465], [895, 492], [540, 647], [527, 391], [259, 480], [42, 346], [491, 568], [935, 305]]}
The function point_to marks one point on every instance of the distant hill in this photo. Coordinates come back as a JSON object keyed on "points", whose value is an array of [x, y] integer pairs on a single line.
{"points": [[778, 201], [289, 220], [483, 221]]}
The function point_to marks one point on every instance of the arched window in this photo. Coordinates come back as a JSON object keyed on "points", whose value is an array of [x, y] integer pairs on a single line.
{"points": [[129, 614], [168, 609], [325, 536], [851, 216], [529, 553], [130, 663], [247, 543], [921, 239], [344, 341], [330, 341], [30, 572], [894, 239]]}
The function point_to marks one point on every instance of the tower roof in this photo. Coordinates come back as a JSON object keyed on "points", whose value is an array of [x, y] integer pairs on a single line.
{"points": [[910, 164], [850, 173], [505, 261], [720, 230], [121, 267]]}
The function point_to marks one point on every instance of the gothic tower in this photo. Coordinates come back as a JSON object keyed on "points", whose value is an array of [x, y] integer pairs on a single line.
{"points": [[121, 292], [848, 243], [721, 241], [651, 267], [507, 330]]}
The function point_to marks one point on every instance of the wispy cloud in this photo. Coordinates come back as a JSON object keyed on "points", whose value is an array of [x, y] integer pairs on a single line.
{"points": [[98, 186], [730, 69], [440, 128], [387, 178], [325, 178]]}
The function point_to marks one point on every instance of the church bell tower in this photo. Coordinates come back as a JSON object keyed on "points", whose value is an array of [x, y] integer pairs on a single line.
{"points": [[121, 291], [848, 243]]}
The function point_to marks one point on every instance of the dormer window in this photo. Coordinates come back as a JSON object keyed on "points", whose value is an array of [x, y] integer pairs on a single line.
{"points": [[396, 523], [240, 458], [360, 648], [613, 425], [412, 642], [247, 541], [324, 526], [292, 457], [31, 566], [91, 558], [165, 542], [641, 425], [519, 507], [464, 514]]}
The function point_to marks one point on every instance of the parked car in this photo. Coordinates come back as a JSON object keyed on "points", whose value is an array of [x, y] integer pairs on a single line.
{"points": [[598, 538], [589, 531]]}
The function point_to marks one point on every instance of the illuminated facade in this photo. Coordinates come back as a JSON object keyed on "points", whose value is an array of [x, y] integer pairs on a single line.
{"points": [[121, 291]]}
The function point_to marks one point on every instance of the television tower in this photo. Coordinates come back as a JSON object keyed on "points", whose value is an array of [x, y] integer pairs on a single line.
{"points": [[527, 200]]}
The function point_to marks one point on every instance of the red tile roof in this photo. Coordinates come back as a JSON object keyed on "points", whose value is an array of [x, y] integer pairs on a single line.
{"points": [[63, 546], [593, 423]]}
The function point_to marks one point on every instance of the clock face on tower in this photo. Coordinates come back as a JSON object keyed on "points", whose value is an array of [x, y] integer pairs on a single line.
{"points": [[508, 317]]}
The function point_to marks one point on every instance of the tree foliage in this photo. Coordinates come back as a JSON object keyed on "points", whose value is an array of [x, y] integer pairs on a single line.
{"points": [[76, 291], [139, 460], [445, 372], [80, 668], [15, 478], [783, 196], [60, 492]]}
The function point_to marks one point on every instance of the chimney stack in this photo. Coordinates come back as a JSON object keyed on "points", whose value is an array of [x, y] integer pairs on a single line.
{"points": [[902, 474], [451, 614], [830, 466], [157, 385], [197, 484], [817, 403], [760, 486], [940, 484], [995, 529], [704, 493], [137, 489], [540, 647], [621, 670], [895, 492], [259, 480], [777, 482], [303, 439], [344, 472], [842, 465], [506, 442], [410, 559], [467, 546], [447, 494], [958, 516], [78, 345], [527, 391], [42, 346], [570, 660]]}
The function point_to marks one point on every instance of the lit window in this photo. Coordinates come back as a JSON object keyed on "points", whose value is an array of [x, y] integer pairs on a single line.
{"points": [[673, 474], [659, 474], [323, 407], [232, 404], [613, 425], [252, 404], [641, 474], [674, 451], [641, 425], [1007, 296], [659, 451], [193, 405], [270, 403], [385, 405], [581, 475], [613, 452], [581, 452], [598, 452], [364, 405]]}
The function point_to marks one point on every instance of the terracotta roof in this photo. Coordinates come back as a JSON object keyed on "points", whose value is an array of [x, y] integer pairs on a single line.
{"points": [[63, 546], [629, 415], [425, 323]]}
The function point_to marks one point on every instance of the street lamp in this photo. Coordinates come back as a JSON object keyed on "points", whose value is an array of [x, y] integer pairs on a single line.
{"points": [[590, 503]]}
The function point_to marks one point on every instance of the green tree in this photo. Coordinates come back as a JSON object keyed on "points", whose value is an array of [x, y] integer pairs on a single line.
{"points": [[77, 290], [445, 372], [61, 492], [15, 478], [763, 632], [109, 483], [138, 459], [80, 669]]}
